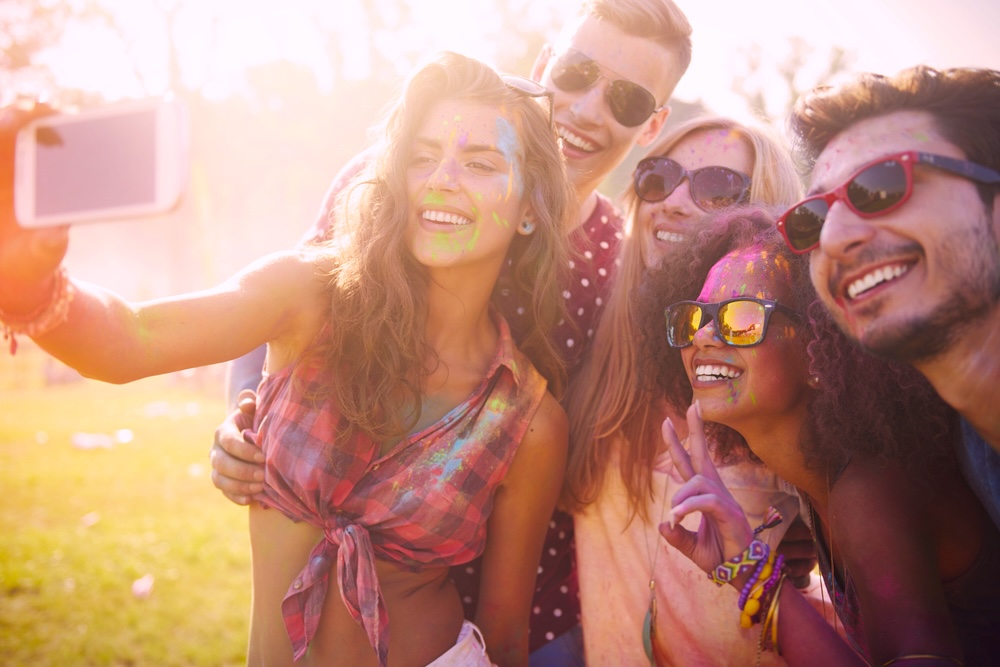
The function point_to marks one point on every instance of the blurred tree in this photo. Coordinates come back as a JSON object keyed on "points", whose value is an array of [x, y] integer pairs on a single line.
{"points": [[798, 71]]}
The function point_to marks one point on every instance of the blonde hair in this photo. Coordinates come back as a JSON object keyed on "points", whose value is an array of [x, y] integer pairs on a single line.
{"points": [[376, 355], [607, 402], [661, 21]]}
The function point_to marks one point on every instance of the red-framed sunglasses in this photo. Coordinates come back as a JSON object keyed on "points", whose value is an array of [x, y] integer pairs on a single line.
{"points": [[877, 188]]}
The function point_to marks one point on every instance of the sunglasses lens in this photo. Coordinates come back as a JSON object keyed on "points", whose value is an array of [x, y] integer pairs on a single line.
{"points": [[714, 188], [631, 104], [878, 187], [803, 223], [683, 321], [574, 71], [741, 323], [656, 178]]}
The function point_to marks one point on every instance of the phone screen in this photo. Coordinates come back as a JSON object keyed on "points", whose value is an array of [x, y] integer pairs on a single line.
{"points": [[95, 164]]}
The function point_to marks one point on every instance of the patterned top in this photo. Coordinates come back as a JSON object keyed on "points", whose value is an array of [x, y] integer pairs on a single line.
{"points": [[556, 603], [424, 504]]}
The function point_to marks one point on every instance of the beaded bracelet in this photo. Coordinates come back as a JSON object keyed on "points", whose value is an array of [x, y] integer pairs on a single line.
{"points": [[43, 319], [740, 564], [750, 602]]}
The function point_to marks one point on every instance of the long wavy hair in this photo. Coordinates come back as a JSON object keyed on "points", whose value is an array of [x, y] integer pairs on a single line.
{"points": [[606, 401], [376, 353], [862, 405]]}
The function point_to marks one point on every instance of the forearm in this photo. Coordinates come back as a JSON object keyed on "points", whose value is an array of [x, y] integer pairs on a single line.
{"points": [[77, 323]]}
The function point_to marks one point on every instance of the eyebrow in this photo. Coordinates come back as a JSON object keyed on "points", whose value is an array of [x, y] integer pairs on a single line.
{"points": [[468, 148]]}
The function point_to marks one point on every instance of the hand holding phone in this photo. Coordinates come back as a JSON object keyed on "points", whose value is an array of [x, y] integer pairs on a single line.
{"points": [[123, 160]]}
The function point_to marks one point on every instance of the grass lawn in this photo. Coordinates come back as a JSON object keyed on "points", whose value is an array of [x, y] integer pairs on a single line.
{"points": [[81, 521]]}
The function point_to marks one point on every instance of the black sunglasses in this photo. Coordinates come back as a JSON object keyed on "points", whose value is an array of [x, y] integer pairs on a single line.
{"points": [[630, 103], [712, 188], [739, 322], [529, 88], [877, 188]]}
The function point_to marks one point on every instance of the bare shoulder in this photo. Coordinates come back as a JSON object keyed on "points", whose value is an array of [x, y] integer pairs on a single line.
{"points": [[549, 427], [876, 511], [543, 450]]}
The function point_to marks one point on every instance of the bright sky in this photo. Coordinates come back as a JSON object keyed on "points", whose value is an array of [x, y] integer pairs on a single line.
{"points": [[881, 35]]}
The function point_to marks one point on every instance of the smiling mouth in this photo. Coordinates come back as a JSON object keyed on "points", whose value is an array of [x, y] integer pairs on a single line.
{"points": [[440, 217], [669, 237], [575, 140], [714, 373], [875, 278]]}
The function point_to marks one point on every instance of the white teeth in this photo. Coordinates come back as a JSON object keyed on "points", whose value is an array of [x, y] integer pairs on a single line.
{"points": [[446, 218], [576, 141], [712, 373], [876, 277], [670, 237]]}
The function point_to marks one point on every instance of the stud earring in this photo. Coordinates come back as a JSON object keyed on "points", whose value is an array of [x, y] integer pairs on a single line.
{"points": [[813, 381], [527, 227]]}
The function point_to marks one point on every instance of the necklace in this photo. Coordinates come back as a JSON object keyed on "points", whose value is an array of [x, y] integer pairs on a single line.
{"points": [[649, 622]]}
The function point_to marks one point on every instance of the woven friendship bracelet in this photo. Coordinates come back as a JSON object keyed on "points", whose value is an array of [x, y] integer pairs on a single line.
{"points": [[740, 564], [45, 318]]}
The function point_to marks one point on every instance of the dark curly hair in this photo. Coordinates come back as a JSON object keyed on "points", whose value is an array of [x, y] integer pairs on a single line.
{"points": [[863, 405]]}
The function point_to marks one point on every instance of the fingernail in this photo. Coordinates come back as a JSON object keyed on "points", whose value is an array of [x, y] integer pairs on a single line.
{"points": [[258, 475], [670, 424], [697, 408]]}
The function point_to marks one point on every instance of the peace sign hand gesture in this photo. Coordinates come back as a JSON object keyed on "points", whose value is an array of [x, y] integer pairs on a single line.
{"points": [[724, 531]]}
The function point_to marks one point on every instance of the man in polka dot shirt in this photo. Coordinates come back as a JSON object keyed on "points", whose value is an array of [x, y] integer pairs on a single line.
{"points": [[611, 72]]}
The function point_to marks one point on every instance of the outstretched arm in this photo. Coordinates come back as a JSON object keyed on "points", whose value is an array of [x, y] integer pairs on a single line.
{"points": [[516, 531]]}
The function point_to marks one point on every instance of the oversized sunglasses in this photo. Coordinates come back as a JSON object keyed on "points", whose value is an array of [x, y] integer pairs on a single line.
{"points": [[877, 188], [529, 88], [739, 322], [711, 188], [630, 103]]}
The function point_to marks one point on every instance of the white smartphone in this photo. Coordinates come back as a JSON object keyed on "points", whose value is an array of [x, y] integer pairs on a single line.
{"points": [[124, 160]]}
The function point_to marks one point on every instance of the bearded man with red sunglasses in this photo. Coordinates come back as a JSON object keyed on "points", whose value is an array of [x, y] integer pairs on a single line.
{"points": [[610, 73], [903, 223]]}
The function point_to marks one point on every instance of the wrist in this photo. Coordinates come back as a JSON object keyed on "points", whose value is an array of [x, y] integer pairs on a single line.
{"points": [[33, 315]]}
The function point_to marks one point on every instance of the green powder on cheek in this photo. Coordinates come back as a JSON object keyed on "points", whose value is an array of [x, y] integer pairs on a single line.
{"points": [[472, 242]]}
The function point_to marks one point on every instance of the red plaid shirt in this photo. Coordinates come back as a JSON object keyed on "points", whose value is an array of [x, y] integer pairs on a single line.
{"points": [[424, 504]]}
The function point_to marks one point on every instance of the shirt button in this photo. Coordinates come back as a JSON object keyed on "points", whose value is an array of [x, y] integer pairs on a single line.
{"points": [[297, 585], [376, 466]]}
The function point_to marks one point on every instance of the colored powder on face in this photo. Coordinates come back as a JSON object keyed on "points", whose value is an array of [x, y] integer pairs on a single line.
{"points": [[753, 399], [921, 136], [472, 242], [434, 198], [508, 145], [501, 222]]}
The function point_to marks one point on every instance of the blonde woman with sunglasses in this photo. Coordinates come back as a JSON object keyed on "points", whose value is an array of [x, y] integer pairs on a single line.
{"points": [[908, 554], [619, 478]]}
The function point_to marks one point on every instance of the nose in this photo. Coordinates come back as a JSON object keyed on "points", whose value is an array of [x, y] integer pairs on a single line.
{"points": [[588, 104], [844, 232], [707, 337], [444, 176], [679, 204]]}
